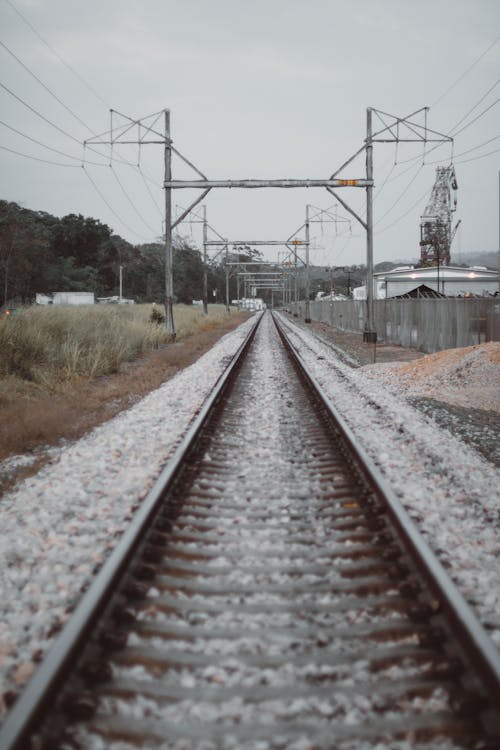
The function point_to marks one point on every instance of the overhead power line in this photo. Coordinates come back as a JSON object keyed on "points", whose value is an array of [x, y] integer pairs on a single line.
{"points": [[39, 114], [115, 214], [475, 105], [44, 86], [131, 202], [54, 52], [462, 75], [36, 158], [477, 116], [49, 148]]}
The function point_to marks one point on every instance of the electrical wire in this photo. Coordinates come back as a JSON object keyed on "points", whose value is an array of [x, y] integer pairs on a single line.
{"points": [[45, 119], [60, 130], [477, 117], [468, 151], [475, 105], [100, 194], [36, 158], [131, 202], [44, 86], [440, 98], [475, 158], [68, 109], [61, 60], [50, 148], [396, 221], [401, 195], [149, 190], [66, 133]]}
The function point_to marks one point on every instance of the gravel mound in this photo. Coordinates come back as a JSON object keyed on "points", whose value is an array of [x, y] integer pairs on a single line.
{"points": [[467, 377]]}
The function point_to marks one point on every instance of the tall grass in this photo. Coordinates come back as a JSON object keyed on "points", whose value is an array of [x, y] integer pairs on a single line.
{"points": [[54, 344]]}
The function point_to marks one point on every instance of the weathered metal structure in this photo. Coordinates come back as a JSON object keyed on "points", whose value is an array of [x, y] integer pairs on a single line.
{"points": [[394, 130], [436, 234]]}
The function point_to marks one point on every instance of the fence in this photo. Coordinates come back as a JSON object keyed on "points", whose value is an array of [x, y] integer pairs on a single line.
{"points": [[426, 324]]}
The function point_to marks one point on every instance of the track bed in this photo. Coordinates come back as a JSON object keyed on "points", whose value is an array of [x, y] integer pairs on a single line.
{"points": [[271, 605]]}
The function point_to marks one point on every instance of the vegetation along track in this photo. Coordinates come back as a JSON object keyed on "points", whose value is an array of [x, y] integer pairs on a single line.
{"points": [[270, 593]]}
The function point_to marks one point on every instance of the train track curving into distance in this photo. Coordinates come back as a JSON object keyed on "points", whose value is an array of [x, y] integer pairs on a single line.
{"points": [[271, 592]]}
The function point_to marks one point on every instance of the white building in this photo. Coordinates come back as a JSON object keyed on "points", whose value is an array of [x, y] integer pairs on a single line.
{"points": [[450, 281], [66, 298]]}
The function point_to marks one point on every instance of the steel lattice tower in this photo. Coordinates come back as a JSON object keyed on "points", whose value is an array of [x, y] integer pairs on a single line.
{"points": [[435, 224]]}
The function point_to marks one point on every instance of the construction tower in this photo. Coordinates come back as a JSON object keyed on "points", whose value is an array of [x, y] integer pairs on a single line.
{"points": [[436, 234]]}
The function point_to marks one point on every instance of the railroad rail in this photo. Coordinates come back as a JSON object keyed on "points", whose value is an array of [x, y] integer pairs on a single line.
{"points": [[271, 592]]}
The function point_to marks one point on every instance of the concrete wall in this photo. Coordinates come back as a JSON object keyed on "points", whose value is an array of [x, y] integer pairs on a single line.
{"points": [[426, 324]]}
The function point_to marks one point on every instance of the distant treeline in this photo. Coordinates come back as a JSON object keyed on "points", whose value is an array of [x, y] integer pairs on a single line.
{"points": [[42, 253]]}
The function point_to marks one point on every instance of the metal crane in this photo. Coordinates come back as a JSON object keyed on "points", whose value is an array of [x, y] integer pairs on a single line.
{"points": [[436, 234]]}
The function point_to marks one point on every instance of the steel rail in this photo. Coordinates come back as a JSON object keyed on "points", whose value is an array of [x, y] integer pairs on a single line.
{"points": [[483, 655], [28, 711]]}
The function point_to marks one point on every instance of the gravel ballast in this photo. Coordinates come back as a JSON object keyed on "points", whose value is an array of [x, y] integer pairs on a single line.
{"points": [[60, 525]]}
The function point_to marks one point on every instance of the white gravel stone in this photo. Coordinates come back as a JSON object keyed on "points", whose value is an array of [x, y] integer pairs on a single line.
{"points": [[60, 525]]}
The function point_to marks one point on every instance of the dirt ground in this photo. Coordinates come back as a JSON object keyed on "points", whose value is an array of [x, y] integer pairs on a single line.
{"points": [[360, 353], [33, 423]]}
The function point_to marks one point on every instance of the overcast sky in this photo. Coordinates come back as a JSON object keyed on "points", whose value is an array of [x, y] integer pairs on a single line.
{"points": [[256, 89]]}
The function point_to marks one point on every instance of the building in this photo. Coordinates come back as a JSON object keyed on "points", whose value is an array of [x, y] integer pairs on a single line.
{"points": [[66, 298], [449, 281]]}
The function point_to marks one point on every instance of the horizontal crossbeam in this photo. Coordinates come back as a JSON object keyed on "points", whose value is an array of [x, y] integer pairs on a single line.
{"points": [[253, 242], [328, 183]]}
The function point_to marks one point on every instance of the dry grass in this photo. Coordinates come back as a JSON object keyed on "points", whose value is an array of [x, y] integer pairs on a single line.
{"points": [[64, 397], [51, 345]]}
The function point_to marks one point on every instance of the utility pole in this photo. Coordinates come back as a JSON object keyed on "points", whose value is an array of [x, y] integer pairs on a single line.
{"points": [[307, 318], [227, 280], [369, 333], [121, 282], [169, 282], [205, 262]]}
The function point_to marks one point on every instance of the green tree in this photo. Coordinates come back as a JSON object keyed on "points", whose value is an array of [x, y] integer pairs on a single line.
{"points": [[187, 272]]}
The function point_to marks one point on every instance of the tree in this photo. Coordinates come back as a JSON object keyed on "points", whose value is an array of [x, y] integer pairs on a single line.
{"points": [[187, 272], [75, 236], [24, 252]]}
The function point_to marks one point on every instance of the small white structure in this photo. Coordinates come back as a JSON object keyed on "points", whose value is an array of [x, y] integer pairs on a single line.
{"points": [[330, 297], [252, 304], [450, 281], [115, 300], [66, 298]]}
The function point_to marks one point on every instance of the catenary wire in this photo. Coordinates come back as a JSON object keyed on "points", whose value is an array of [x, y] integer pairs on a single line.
{"points": [[467, 125], [103, 198], [32, 109], [149, 190], [36, 158], [74, 72], [61, 59], [462, 75], [49, 148], [475, 105], [45, 87], [131, 202]]}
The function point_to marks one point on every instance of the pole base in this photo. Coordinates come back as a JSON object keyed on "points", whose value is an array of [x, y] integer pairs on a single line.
{"points": [[370, 337], [307, 320]]}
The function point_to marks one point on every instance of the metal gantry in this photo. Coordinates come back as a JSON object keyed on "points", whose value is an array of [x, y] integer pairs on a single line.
{"points": [[149, 134]]}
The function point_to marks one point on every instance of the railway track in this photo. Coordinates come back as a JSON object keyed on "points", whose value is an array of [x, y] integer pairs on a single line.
{"points": [[270, 593]]}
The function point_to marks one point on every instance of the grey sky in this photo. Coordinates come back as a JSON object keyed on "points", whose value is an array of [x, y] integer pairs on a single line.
{"points": [[256, 88]]}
